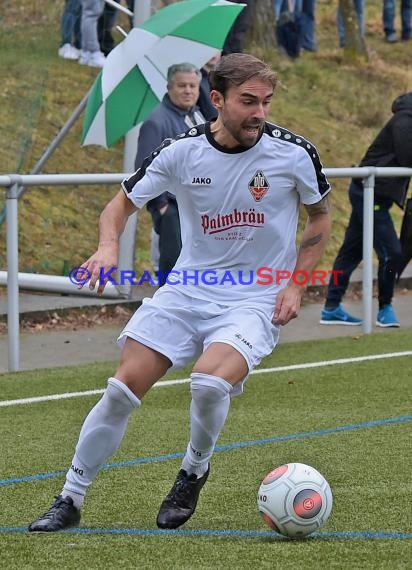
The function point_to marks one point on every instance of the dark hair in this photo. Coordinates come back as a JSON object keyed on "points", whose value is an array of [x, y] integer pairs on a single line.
{"points": [[236, 68]]}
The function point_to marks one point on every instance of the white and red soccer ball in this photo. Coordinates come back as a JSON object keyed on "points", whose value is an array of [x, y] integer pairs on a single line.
{"points": [[295, 500]]}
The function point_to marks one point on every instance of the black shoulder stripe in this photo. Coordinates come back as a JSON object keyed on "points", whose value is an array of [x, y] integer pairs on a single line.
{"points": [[277, 132], [129, 183]]}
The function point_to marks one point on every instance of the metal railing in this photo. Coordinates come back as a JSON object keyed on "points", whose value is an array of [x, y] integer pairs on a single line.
{"points": [[14, 182]]}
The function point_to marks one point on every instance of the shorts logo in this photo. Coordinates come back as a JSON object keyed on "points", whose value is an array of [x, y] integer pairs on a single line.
{"points": [[258, 186], [245, 341]]}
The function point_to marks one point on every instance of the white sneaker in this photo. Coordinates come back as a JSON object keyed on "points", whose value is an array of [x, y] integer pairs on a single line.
{"points": [[92, 58], [67, 51]]}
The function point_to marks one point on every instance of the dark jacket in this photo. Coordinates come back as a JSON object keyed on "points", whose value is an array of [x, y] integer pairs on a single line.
{"points": [[165, 121], [393, 147], [204, 103]]}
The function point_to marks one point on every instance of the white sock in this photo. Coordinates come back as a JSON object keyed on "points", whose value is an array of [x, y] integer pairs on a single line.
{"points": [[100, 436], [208, 412]]}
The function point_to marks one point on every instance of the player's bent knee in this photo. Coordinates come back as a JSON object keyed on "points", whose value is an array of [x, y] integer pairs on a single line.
{"points": [[209, 389]]}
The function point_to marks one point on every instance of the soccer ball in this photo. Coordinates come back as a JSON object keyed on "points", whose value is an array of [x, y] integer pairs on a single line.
{"points": [[294, 500]]}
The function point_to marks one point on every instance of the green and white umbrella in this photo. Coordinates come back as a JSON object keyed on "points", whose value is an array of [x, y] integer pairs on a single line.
{"points": [[133, 79]]}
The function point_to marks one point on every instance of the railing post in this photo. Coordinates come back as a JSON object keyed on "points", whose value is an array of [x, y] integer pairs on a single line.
{"points": [[367, 284], [13, 317], [127, 244]]}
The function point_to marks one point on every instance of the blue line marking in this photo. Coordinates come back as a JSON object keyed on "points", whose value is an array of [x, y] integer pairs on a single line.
{"points": [[367, 534], [218, 449]]}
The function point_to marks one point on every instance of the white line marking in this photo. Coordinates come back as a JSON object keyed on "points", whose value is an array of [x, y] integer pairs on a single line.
{"points": [[164, 383]]}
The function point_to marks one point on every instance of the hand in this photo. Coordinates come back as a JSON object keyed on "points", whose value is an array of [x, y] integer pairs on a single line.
{"points": [[287, 304], [100, 263]]}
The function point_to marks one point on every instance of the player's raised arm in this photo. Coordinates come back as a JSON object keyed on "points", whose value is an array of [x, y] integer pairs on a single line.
{"points": [[111, 225]]}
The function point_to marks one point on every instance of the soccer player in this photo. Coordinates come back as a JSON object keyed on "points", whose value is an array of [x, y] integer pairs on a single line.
{"points": [[239, 182]]}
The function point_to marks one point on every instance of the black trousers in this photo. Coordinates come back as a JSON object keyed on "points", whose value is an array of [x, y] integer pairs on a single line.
{"points": [[385, 242], [167, 226]]}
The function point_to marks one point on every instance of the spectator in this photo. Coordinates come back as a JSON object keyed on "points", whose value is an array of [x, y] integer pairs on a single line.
{"points": [[392, 147], [91, 54], [388, 17], [235, 41], [70, 30], [359, 9], [176, 113], [238, 169], [304, 16]]}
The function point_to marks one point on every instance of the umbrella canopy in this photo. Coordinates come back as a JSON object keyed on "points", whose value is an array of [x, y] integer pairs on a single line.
{"points": [[406, 237], [133, 79]]}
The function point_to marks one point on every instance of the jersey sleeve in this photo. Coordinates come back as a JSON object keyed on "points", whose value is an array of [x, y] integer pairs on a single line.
{"points": [[154, 177], [311, 182]]}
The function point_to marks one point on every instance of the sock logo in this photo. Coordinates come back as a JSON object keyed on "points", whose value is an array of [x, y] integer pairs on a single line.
{"points": [[197, 453], [77, 470]]}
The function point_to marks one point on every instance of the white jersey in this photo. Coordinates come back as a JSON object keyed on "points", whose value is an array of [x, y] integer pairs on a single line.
{"points": [[238, 208]]}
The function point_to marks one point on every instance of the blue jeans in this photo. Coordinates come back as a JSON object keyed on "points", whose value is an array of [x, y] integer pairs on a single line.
{"points": [[385, 243], [388, 17], [359, 9], [70, 23], [306, 9]]}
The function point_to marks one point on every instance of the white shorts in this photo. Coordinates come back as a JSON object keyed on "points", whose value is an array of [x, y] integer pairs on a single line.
{"points": [[182, 327]]}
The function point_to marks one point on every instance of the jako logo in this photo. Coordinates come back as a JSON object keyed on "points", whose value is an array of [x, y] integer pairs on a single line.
{"points": [[201, 180], [77, 470], [242, 339]]}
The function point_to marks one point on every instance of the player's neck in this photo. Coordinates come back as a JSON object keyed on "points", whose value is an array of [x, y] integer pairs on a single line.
{"points": [[221, 135]]}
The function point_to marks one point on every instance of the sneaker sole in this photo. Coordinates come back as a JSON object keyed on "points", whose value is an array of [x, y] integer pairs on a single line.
{"points": [[345, 323], [386, 326]]}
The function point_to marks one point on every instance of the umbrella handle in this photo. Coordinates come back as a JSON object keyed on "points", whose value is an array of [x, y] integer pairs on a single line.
{"points": [[119, 7]]}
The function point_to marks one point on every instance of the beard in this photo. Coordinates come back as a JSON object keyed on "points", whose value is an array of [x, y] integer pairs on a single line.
{"points": [[245, 134]]}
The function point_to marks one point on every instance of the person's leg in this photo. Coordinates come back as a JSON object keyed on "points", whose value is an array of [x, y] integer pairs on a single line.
{"points": [[103, 430], [170, 241], [406, 19], [388, 249], [77, 30], [308, 25], [70, 25], [105, 24], [149, 348], [360, 14], [341, 27], [350, 253], [388, 18], [235, 340], [91, 10], [67, 23], [212, 380]]}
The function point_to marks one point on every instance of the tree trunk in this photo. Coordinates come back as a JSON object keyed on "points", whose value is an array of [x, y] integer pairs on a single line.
{"points": [[355, 47], [262, 28]]}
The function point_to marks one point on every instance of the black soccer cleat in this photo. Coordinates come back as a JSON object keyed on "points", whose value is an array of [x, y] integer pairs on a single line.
{"points": [[62, 514], [180, 503]]}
